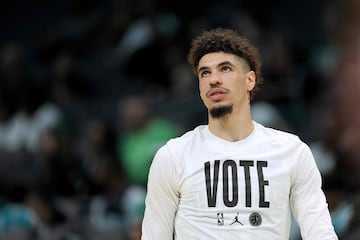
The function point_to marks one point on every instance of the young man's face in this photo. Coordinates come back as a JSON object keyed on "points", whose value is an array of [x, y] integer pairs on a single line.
{"points": [[225, 82]]}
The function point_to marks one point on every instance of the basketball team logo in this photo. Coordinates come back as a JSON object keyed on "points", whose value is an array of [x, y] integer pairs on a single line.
{"points": [[255, 219]]}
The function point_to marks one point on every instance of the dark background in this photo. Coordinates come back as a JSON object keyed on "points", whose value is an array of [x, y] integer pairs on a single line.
{"points": [[85, 58]]}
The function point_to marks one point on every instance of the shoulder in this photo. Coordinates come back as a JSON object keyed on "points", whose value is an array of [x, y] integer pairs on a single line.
{"points": [[187, 137], [178, 146], [277, 136], [171, 155]]}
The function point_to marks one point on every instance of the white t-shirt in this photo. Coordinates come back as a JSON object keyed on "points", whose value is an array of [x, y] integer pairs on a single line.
{"points": [[203, 187]]}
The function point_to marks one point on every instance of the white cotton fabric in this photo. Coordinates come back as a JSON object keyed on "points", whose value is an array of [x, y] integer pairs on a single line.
{"points": [[177, 198]]}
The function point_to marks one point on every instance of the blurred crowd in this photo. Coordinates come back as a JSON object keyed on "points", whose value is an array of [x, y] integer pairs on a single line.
{"points": [[89, 90]]}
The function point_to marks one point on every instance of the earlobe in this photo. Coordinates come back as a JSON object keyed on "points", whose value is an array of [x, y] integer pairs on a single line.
{"points": [[251, 80]]}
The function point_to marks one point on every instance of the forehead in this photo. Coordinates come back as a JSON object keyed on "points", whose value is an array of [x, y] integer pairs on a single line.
{"points": [[213, 59]]}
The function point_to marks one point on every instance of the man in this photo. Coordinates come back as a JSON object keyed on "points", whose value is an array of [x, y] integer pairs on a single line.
{"points": [[233, 178]]}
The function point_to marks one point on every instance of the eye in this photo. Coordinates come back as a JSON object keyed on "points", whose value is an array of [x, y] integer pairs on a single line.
{"points": [[226, 69], [204, 73]]}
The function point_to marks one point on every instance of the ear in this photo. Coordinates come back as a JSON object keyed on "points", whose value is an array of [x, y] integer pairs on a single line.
{"points": [[250, 80]]}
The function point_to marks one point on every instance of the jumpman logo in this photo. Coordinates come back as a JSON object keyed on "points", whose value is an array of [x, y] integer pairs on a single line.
{"points": [[236, 220]]}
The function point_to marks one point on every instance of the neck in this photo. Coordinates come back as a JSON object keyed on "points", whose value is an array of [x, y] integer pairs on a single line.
{"points": [[232, 127]]}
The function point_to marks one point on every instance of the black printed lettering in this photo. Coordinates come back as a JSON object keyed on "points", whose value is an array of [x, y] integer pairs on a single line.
{"points": [[231, 182], [230, 165], [262, 183], [247, 165], [212, 191]]}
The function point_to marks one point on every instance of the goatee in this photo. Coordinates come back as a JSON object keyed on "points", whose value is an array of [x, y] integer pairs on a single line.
{"points": [[221, 111]]}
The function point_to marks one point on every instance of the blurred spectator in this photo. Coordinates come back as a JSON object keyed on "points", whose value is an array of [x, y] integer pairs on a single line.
{"points": [[25, 110], [23, 131], [96, 150], [268, 115], [341, 204], [17, 221], [344, 132], [115, 203], [353, 230], [141, 135], [61, 173], [68, 83]]}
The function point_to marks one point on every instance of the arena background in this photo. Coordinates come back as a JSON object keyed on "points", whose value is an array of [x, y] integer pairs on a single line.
{"points": [[90, 89]]}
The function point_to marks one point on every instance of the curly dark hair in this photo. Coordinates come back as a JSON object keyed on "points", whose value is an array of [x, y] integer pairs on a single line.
{"points": [[228, 41]]}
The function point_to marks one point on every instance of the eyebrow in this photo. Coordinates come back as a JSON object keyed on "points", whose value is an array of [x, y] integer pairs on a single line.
{"points": [[219, 65]]}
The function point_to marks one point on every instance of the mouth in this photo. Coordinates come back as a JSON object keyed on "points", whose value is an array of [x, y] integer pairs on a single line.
{"points": [[217, 94]]}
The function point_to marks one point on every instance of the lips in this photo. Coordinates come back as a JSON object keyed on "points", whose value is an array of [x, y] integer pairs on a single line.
{"points": [[217, 94]]}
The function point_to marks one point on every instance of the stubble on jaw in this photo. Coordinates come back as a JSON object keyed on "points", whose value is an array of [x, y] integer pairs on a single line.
{"points": [[221, 111]]}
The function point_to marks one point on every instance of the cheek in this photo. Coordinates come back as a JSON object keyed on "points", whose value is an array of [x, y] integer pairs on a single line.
{"points": [[202, 96], [202, 93], [202, 90]]}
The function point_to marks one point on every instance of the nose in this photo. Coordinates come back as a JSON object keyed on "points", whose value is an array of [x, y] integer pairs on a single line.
{"points": [[215, 79]]}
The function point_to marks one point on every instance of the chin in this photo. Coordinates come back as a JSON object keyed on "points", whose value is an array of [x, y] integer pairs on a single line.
{"points": [[221, 111]]}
